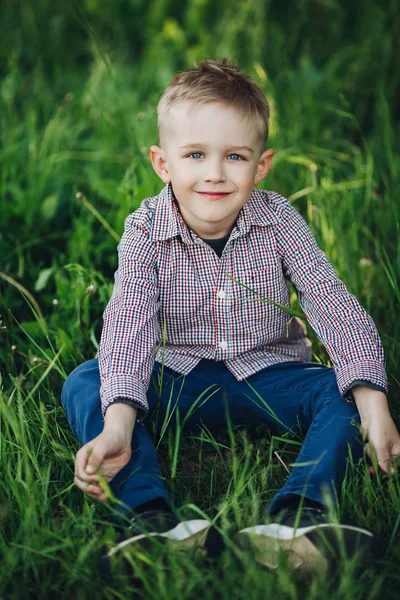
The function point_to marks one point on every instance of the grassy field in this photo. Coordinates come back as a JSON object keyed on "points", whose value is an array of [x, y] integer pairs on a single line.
{"points": [[79, 87]]}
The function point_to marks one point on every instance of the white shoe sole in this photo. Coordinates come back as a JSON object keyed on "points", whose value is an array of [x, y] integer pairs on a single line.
{"points": [[303, 545], [188, 533], [283, 532]]}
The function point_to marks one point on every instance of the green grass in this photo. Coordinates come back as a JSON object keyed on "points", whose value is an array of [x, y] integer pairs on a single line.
{"points": [[79, 89]]}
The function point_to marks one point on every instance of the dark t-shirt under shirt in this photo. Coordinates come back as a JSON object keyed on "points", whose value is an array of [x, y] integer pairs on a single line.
{"points": [[218, 245]]}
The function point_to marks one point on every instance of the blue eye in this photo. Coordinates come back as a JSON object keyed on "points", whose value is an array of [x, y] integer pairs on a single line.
{"points": [[193, 154]]}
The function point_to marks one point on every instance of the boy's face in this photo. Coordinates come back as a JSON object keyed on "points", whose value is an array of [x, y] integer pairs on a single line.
{"points": [[204, 154]]}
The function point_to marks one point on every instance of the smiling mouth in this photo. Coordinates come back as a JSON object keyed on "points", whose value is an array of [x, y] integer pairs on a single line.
{"points": [[214, 195]]}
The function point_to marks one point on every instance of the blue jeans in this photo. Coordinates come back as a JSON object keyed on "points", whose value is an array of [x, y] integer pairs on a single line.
{"points": [[294, 396]]}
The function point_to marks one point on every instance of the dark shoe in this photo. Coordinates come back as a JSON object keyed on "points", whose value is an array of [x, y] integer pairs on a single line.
{"points": [[162, 526], [311, 541]]}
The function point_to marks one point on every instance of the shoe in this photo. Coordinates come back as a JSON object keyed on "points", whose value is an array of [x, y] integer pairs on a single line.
{"points": [[153, 526], [312, 544]]}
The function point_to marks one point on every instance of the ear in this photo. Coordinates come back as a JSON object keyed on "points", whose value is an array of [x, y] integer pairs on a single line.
{"points": [[264, 165], [159, 162]]}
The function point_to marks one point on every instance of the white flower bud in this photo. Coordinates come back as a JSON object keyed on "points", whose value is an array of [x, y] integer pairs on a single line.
{"points": [[365, 262]]}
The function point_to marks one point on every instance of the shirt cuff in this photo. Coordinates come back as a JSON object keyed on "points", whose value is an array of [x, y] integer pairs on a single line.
{"points": [[124, 386], [371, 371]]}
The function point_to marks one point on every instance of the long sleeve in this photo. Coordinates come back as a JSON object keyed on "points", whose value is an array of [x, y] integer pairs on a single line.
{"points": [[344, 327], [131, 328]]}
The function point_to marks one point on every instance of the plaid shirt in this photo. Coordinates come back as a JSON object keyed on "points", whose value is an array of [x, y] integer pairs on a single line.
{"points": [[170, 282]]}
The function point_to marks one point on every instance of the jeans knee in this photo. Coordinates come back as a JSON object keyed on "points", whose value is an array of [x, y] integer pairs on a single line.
{"points": [[79, 381]]}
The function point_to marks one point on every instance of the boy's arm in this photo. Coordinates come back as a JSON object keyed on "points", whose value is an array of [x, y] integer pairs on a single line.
{"points": [[346, 330], [131, 327], [126, 358]]}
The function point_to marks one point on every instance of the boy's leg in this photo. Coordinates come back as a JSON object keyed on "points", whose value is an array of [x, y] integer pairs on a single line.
{"points": [[304, 397], [140, 480], [313, 542]]}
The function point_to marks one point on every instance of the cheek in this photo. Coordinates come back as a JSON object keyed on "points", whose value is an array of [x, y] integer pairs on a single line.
{"points": [[244, 174], [184, 182], [182, 176], [246, 181]]}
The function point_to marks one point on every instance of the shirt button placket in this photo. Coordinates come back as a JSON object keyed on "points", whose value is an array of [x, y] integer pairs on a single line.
{"points": [[223, 344]]}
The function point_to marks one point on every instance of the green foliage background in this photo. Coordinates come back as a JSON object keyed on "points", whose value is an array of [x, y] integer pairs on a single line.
{"points": [[80, 84]]}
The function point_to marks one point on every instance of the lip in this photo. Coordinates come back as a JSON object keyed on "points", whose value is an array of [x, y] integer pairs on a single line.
{"points": [[214, 195]]}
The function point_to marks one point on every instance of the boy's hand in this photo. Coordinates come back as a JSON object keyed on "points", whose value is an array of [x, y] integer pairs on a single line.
{"points": [[384, 440], [378, 429], [106, 454]]}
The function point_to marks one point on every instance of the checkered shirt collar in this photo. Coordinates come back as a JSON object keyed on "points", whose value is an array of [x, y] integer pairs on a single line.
{"points": [[168, 221]]}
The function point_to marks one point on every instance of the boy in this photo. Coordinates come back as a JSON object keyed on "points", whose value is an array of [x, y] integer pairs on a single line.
{"points": [[210, 220]]}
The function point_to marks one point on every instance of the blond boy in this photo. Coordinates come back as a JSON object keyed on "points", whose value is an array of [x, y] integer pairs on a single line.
{"points": [[210, 221]]}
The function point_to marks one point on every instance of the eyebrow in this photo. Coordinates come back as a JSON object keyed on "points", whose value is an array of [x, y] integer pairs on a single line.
{"points": [[231, 147]]}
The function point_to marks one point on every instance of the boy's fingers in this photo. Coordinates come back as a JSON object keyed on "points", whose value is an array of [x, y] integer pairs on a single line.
{"points": [[396, 461], [385, 466], [95, 458], [82, 485], [97, 493], [81, 458], [80, 466], [93, 490], [369, 453], [100, 497], [367, 450], [384, 461]]}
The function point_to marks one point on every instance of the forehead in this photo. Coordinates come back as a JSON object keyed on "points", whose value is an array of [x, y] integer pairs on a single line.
{"points": [[192, 122]]}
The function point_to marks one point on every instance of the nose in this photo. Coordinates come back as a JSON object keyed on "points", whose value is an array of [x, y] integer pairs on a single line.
{"points": [[215, 171]]}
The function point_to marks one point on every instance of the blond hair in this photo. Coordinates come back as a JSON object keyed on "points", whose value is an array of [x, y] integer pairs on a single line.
{"points": [[215, 81]]}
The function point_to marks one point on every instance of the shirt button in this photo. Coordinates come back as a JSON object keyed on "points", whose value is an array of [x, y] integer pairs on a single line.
{"points": [[223, 344], [221, 294]]}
